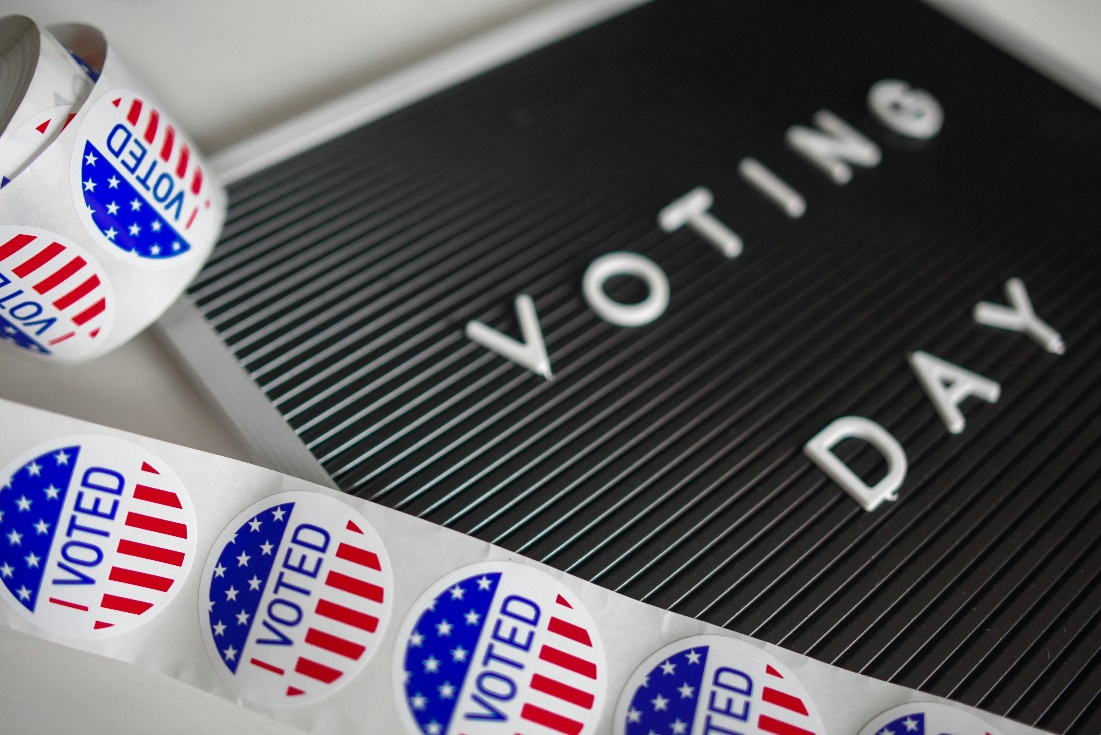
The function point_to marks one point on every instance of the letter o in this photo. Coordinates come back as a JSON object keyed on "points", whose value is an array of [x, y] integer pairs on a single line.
{"points": [[626, 264], [911, 112], [69, 556], [505, 694], [35, 310], [285, 621]]}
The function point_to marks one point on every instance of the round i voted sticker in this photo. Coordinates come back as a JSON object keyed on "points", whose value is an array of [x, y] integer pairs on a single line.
{"points": [[137, 184], [295, 598], [97, 535], [499, 648], [714, 684], [927, 718]]}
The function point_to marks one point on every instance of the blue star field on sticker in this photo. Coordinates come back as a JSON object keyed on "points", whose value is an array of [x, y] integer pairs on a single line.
{"points": [[666, 701]]}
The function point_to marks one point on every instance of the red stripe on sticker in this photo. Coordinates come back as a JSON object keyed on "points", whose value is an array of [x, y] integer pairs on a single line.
{"points": [[356, 555], [59, 276], [156, 525], [78, 293], [185, 156], [336, 644], [569, 630], [14, 245], [346, 615], [169, 141], [151, 128], [779, 727], [66, 603], [124, 604], [550, 720], [155, 495], [562, 691], [562, 601], [356, 586], [197, 182], [62, 338], [314, 670], [295, 691], [265, 665], [785, 700], [42, 128], [100, 624], [568, 661], [150, 552], [773, 672], [135, 112], [44, 256], [90, 313], [140, 579], [146, 467]]}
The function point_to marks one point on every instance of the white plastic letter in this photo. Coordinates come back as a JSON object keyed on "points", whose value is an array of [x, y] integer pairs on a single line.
{"points": [[833, 146], [948, 384], [531, 353], [1019, 316], [691, 209], [773, 187], [626, 264], [820, 451], [911, 112]]}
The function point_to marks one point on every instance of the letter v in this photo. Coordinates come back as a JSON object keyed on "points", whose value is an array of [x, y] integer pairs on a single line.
{"points": [[531, 353]]}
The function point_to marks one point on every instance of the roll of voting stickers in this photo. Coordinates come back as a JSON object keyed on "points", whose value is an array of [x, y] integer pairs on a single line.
{"points": [[98, 535], [499, 648], [927, 718], [295, 598], [714, 685]]}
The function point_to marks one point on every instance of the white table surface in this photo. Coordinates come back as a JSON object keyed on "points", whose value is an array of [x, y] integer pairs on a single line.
{"points": [[228, 69]]}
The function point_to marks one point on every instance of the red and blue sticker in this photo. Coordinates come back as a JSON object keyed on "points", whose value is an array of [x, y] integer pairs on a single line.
{"points": [[55, 300], [499, 647], [295, 598], [714, 684], [96, 536], [138, 184], [927, 718]]}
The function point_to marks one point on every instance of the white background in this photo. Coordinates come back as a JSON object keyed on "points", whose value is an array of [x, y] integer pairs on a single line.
{"points": [[228, 69]]}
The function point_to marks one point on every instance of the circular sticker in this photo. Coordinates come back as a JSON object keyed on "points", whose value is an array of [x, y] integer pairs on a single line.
{"points": [[927, 718], [55, 299], [97, 535], [137, 185], [295, 598], [499, 647], [714, 684]]}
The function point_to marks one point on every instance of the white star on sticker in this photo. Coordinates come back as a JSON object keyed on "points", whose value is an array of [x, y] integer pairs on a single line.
{"points": [[693, 657], [111, 233], [112, 208], [885, 731], [34, 469], [458, 654], [32, 560], [230, 653], [265, 548], [219, 628], [24, 593], [472, 617], [135, 205], [113, 182], [254, 583], [231, 594], [446, 690], [242, 618], [14, 538], [416, 640], [668, 668], [443, 629], [61, 458], [23, 503], [6, 570], [41, 527], [219, 571], [156, 225], [686, 691], [135, 230], [910, 724], [90, 159], [679, 728], [254, 524], [660, 703], [210, 605], [175, 244], [419, 701], [431, 665], [484, 583], [242, 560], [433, 728], [51, 492], [633, 715], [457, 592], [277, 514], [156, 249], [89, 185]]}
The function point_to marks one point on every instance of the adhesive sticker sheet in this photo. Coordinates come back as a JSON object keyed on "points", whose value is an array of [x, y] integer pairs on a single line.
{"points": [[336, 615]]}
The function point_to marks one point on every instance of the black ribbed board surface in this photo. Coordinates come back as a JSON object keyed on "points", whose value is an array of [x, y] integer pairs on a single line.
{"points": [[665, 462]]}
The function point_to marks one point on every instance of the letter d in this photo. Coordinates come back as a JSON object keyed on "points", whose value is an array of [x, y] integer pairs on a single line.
{"points": [[820, 451]]}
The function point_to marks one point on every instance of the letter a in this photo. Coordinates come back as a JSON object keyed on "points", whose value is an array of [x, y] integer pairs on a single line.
{"points": [[947, 385], [531, 353], [820, 451]]}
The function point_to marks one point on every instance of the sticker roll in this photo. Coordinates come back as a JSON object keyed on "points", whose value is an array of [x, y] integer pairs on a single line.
{"points": [[41, 90], [104, 229]]}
